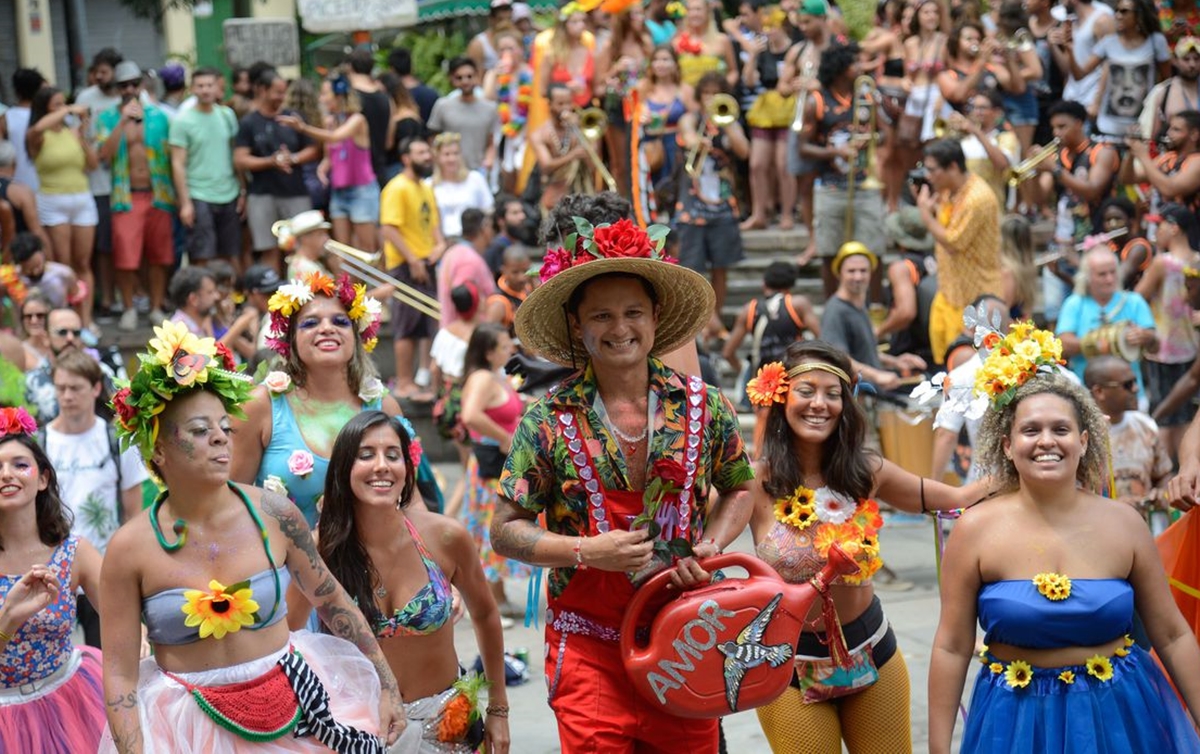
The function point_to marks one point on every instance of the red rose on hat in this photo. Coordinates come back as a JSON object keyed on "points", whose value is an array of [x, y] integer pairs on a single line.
{"points": [[554, 262], [622, 239]]}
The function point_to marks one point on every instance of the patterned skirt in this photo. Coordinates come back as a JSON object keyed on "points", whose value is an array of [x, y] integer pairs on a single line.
{"points": [[482, 495]]}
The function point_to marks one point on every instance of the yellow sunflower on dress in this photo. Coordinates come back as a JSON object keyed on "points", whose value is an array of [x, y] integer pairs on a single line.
{"points": [[1067, 677], [221, 610], [1099, 667], [1019, 674]]}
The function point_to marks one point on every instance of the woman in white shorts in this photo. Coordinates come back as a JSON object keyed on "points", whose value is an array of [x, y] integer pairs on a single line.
{"points": [[63, 156]]}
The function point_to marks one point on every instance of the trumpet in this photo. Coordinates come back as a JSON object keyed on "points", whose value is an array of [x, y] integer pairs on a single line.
{"points": [[1092, 242], [1119, 141], [1028, 167], [865, 111], [356, 264], [943, 130], [1021, 41], [722, 110], [802, 97], [592, 124]]}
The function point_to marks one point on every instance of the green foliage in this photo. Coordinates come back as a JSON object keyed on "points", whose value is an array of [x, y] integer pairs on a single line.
{"points": [[859, 16], [432, 49], [154, 8]]}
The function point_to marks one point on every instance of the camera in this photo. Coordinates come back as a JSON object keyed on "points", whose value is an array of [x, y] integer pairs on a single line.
{"points": [[918, 177]]}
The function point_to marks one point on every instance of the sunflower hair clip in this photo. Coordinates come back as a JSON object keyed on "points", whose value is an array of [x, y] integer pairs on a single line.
{"points": [[773, 381], [1009, 361]]}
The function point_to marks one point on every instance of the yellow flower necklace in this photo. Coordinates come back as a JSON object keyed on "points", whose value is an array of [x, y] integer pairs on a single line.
{"points": [[835, 519]]}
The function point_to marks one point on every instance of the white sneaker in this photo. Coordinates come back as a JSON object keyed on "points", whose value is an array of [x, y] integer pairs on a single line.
{"points": [[157, 316], [506, 623], [129, 321], [422, 378]]}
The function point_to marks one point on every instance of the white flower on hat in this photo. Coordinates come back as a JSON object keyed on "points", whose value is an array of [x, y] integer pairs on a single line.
{"points": [[298, 292]]}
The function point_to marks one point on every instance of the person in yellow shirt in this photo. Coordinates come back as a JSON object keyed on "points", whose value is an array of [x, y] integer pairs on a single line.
{"points": [[413, 243], [961, 212]]}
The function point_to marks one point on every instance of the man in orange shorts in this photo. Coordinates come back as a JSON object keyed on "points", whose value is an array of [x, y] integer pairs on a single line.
{"points": [[132, 138]]}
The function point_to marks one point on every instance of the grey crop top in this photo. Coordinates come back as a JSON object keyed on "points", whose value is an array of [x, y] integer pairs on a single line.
{"points": [[164, 616]]}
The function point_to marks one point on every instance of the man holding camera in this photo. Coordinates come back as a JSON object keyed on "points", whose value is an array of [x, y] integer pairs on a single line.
{"points": [[961, 212]]}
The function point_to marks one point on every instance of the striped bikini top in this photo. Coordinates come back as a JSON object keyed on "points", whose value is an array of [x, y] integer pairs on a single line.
{"points": [[429, 609]]}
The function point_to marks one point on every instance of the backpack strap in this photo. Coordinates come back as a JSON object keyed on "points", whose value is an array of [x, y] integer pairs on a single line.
{"points": [[751, 312], [114, 451], [796, 318]]}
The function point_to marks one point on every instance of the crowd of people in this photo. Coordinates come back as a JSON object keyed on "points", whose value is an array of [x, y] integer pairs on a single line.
{"points": [[1027, 161]]}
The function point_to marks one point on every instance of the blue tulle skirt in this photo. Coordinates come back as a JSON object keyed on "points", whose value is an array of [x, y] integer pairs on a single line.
{"points": [[1134, 711]]}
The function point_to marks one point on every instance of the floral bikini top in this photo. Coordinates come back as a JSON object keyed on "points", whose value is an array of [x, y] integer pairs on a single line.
{"points": [[43, 644], [808, 522], [429, 609]]}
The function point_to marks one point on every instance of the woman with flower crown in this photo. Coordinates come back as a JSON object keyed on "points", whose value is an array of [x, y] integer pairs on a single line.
{"points": [[1053, 573], [323, 330], [815, 486], [207, 569], [51, 699]]}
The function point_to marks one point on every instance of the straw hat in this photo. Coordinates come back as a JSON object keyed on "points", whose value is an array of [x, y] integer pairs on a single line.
{"points": [[851, 249], [685, 298]]}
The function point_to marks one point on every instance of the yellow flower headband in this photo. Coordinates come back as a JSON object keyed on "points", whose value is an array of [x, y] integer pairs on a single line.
{"points": [[365, 311], [569, 10], [1009, 361], [772, 383]]}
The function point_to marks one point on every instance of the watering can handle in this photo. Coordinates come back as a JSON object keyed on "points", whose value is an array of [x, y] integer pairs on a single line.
{"points": [[657, 583]]}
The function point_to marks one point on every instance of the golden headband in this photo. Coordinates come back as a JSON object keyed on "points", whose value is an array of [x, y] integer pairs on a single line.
{"points": [[773, 382], [821, 366]]}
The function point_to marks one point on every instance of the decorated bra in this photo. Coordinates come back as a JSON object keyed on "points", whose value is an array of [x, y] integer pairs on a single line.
{"points": [[809, 522], [429, 609]]}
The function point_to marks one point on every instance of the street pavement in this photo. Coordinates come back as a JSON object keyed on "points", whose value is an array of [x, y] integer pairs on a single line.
{"points": [[908, 549]]}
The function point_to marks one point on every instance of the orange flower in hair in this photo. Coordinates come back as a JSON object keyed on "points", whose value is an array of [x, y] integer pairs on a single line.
{"points": [[770, 386]]}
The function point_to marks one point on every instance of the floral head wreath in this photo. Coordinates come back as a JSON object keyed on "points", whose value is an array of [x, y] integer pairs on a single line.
{"points": [[16, 421], [569, 10], [363, 310], [177, 362], [773, 381], [1009, 361]]}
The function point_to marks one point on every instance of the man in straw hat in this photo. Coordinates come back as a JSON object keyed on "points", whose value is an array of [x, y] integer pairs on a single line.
{"points": [[620, 459]]}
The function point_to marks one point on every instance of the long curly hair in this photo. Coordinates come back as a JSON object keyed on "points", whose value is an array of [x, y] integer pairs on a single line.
{"points": [[846, 466], [998, 424], [53, 517], [340, 546]]}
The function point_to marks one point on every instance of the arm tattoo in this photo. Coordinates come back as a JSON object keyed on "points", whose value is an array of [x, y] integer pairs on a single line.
{"points": [[292, 525], [350, 625], [517, 538], [127, 734], [124, 702]]}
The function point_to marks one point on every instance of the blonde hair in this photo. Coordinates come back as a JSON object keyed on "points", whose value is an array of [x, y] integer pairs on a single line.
{"points": [[1016, 256], [560, 42], [441, 141]]}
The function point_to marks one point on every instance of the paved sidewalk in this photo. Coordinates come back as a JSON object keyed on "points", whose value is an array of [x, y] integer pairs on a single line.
{"points": [[907, 544]]}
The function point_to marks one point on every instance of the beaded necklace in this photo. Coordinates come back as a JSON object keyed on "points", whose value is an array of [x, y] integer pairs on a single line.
{"points": [[180, 528]]}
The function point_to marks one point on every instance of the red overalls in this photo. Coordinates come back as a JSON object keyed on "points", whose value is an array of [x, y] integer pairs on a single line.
{"points": [[597, 708]]}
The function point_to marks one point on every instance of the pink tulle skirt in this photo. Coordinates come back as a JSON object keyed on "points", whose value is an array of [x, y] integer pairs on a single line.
{"points": [[173, 723], [64, 716]]}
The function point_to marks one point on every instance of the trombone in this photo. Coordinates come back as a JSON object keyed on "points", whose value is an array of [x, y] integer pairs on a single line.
{"points": [[591, 126], [722, 110], [802, 97], [1028, 167], [358, 263], [865, 111], [1021, 41]]}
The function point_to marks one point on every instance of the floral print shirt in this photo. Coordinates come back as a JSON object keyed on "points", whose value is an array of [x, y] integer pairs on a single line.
{"points": [[43, 644], [156, 129], [539, 476]]}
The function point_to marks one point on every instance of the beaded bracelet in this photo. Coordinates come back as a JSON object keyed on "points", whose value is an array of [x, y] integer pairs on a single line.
{"points": [[497, 710], [579, 554]]}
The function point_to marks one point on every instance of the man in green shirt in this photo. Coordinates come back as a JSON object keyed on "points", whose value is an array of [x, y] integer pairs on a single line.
{"points": [[210, 196]]}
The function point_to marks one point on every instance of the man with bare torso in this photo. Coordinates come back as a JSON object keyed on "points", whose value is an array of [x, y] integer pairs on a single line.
{"points": [[132, 138], [561, 157]]}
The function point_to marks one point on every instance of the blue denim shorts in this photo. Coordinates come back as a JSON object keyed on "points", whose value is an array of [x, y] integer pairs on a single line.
{"points": [[359, 203], [1021, 109]]}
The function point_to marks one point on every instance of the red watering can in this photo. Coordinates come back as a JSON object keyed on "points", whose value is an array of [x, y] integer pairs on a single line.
{"points": [[726, 646]]}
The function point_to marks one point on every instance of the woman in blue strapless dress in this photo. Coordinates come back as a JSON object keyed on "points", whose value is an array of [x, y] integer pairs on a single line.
{"points": [[1053, 573]]}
